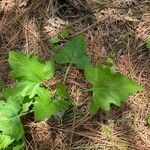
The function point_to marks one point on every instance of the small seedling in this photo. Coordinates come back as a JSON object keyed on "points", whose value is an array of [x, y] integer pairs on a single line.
{"points": [[106, 131], [148, 120], [109, 63], [55, 40], [148, 43], [64, 33]]}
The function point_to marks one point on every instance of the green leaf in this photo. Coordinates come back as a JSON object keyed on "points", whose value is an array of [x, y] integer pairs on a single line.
{"points": [[10, 123], [29, 68], [55, 40], [41, 105], [148, 43], [62, 91], [5, 141], [16, 145], [26, 104], [148, 120], [64, 33], [73, 52], [30, 71], [108, 87], [110, 64], [19, 147], [10, 92], [109, 61], [45, 105], [28, 88], [106, 131], [21, 89], [20, 93]]}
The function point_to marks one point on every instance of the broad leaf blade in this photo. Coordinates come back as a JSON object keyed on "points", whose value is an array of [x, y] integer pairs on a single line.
{"points": [[12, 126], [10, 108], [22, 89], [19, 147], [28, 88], [73, 52], [5, 140], [10, 123], [108, 87], [10, 92], [22, 92], [61, 91], [26, 103], [29, 68], [16, 145], [41, 105], [45, 106]]}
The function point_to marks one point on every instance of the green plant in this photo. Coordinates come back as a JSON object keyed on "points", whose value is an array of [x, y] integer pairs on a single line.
{"points": [[10, 124], [55, 40], [53, 104], [106, 131], [62, 35], [148, 43], [148, 120], [28, 94], [109, 86], [74, 52]]}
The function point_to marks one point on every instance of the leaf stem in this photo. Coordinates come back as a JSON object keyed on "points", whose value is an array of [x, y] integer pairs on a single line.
{"points": [[68, 68], [66, 73], [25, 113], [86, 90]]}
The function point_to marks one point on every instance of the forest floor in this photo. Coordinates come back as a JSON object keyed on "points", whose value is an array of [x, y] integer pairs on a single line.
{"points": [[113, 28]]}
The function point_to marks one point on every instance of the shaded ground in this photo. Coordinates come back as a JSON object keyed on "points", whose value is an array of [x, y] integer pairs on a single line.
{"points": [[115, 28]]}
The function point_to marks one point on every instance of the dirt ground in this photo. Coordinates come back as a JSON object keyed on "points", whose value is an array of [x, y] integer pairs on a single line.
{"points": [[113, 28]]}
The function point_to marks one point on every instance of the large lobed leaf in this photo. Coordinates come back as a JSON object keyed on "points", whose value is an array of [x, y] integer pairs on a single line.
{"points": [[29, 68], [108, 87], [73, 52], [47, 105], [21, 89], [10, 123], [30, 72]]}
